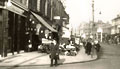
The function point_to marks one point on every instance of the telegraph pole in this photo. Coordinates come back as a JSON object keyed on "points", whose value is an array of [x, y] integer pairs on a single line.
{"points": [[92, 16], [92, 25]]}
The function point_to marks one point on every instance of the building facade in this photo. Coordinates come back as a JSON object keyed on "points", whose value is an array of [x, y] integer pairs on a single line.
{"points": [[100, 29], [116, 25], [12, 26], [22, 21]]}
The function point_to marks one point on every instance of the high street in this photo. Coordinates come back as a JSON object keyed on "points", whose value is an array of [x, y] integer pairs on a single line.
{"points": [[34, 33], [42, 59], [109, 59]]}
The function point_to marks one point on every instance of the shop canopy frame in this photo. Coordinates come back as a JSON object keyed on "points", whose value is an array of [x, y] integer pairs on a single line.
{"points": [[43, 22]]}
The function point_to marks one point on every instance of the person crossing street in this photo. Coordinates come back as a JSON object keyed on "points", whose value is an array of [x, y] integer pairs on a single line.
{"points": [[54, 53]]}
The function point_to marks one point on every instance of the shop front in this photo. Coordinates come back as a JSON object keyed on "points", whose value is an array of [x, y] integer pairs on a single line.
{"points": [[43, 30], [12, 29]]}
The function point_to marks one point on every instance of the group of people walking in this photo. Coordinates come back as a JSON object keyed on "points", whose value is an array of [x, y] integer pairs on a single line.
{"points": [[91, 45], [112, 39]]}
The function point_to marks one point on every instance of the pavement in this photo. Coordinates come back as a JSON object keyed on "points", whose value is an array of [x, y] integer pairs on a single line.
{"points": [[35, 58]]}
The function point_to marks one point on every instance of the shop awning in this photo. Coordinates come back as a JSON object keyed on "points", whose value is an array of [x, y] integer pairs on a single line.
{"points": [[43, 22]]}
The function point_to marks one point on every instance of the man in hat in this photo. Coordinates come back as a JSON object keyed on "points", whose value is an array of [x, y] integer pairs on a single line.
{"points": [[54, 50]]}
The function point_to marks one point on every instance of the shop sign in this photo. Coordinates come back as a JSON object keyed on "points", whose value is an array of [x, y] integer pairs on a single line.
{"points": [[57, 17], [66, 33]]}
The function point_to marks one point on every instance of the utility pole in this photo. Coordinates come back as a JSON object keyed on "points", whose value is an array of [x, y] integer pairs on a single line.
{"points": [[92, 16]]}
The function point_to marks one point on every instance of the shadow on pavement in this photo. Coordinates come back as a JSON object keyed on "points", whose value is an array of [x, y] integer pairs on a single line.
{"points": [[17, 65], [61, 61], [11, 57]]}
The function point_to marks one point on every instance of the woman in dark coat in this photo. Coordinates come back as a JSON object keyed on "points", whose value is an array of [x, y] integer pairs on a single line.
{"points": [[88, 47], [54, 52]]}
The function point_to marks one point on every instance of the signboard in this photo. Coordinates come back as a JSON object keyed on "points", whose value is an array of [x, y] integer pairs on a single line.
{"points": [[57, 17], [66, 33], [46, 41]]}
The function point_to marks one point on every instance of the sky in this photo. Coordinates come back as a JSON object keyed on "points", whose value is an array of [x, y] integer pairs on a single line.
{"points": [[81, 10]]}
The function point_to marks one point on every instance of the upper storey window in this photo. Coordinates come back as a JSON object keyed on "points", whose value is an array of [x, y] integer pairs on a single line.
{"points": [[24, 2]]}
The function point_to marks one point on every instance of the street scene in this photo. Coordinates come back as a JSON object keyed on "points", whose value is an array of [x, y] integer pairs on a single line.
{"points": [[108, 60], [55, 34]]}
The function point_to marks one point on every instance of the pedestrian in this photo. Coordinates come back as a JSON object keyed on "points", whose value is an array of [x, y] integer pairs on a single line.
{"points": [[117, 39], [54, 53], [97, 46], [88, 46]]}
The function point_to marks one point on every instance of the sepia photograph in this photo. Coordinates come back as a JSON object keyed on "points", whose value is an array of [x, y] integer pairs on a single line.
{"points": [[59, 34]]}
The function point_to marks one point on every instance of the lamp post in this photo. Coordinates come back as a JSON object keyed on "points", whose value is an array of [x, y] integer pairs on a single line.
{"points": [[57, 26]]}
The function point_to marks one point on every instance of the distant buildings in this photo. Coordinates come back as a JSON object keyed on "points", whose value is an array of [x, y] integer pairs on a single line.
{"points": [[87, 29], [116, 25]]}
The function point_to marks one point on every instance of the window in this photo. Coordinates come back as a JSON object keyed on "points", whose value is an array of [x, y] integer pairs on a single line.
{"points": [[38, 5], [46, 6]]}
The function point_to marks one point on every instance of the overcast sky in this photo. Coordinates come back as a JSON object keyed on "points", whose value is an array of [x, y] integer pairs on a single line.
{"points": [[81, 10]]}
